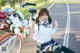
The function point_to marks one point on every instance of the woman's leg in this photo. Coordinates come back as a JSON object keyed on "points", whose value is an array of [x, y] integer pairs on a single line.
{"points": [[66, 50], [55, 47], [62, 48]]}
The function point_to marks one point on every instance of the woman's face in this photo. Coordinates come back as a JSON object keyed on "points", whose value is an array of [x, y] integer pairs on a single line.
{"points": [[44, 17]]}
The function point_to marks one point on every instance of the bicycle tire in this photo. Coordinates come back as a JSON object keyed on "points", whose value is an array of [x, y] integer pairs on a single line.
{"points": [[9, 35]]}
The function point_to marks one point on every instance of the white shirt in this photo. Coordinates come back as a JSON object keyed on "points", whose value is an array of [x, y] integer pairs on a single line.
{"points": [[44, 33]]}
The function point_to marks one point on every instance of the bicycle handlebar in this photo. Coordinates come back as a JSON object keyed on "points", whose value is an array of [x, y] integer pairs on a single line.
{"points": [[28, 4], [32, 4]]}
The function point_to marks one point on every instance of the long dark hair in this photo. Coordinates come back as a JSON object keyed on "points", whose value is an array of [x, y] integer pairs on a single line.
{"points": [[41, 12]]}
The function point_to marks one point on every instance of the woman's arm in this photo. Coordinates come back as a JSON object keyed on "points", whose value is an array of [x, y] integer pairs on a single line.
{"points": [[56, 25], [31, 28], [55, 28]]}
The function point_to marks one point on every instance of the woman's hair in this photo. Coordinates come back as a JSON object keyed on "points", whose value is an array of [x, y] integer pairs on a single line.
{"points": [[41, 13]]}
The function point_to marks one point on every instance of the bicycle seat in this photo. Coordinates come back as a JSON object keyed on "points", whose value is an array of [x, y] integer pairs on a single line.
{"points": [[31, 10]]}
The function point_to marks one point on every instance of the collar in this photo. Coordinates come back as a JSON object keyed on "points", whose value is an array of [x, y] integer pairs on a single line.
{"points": [[41, 22]]}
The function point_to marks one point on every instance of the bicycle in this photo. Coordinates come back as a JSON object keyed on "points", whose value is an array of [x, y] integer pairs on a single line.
{"points": [[9, 40]]}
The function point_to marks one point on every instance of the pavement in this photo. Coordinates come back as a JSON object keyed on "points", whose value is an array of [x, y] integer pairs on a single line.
{"points": [[59, 12]]}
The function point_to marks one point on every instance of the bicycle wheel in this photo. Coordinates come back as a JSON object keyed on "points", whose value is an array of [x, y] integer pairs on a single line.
{"points": [[11, 43]]}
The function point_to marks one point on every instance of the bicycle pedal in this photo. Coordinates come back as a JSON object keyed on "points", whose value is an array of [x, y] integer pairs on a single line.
{"points": [[3, 49], [37, 51]]}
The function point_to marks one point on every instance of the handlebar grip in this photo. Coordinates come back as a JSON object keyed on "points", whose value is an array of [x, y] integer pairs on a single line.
{"points": [[28, 4], [31, 4]]}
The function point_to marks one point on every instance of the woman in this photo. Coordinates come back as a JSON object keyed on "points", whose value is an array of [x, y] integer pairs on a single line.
{"points": [[42, 30]]}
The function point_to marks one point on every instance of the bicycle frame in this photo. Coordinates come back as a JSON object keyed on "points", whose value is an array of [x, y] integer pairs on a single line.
{"points": [[47, 47]]}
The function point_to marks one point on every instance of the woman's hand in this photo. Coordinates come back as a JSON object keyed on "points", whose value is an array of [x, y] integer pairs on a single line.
{"points": [[56, 24], [32, 31]]}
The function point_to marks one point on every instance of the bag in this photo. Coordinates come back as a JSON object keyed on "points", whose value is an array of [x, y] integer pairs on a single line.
{"points": [[2, 16], [3, 26]]}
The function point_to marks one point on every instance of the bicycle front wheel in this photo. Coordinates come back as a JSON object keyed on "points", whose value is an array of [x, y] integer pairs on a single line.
{"points": [[10, 43]]}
